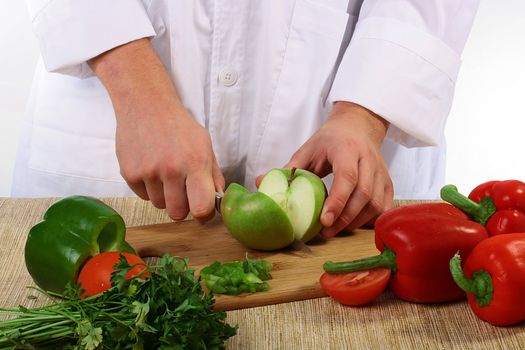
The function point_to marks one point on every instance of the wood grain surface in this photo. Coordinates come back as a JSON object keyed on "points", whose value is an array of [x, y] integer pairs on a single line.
{"points": [[295, 272]]}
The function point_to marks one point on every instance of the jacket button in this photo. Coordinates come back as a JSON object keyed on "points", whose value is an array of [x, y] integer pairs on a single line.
{"points": [[228, 77]]}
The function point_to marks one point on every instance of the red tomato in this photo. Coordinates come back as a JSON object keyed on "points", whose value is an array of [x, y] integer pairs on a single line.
{"points": [[95, 275], [355, 288]]}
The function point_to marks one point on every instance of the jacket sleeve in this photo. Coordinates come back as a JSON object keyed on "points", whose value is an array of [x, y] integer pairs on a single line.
{"points": [[402, 63], [70, 32]]}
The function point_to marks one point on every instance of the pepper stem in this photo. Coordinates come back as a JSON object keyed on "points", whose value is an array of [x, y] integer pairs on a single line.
{"points": [[480, 285], [386, 259], [479, 212]]}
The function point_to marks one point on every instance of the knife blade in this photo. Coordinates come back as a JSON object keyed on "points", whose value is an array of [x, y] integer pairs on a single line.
{"points": [[218, 200], [296, 244]]}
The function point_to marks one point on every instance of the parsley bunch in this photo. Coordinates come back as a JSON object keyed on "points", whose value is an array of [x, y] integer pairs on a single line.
{"points": [[167, 309]]}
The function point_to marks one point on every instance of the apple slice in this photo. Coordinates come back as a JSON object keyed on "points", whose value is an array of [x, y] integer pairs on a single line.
{"points": [[255, 219], [301, 195]]}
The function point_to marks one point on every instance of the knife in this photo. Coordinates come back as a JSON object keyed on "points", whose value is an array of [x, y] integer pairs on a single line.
{"points": [[296, 244], [218, 200]]}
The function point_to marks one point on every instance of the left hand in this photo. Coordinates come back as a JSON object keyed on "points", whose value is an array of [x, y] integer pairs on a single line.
{"points": [[349, 145]]}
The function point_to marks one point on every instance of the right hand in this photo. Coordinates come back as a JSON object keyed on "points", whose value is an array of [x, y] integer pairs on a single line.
{"points": [[164, 154], [168, 159]]}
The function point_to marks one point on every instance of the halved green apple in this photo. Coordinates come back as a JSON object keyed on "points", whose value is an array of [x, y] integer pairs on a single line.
{"points": [[286, 207]]}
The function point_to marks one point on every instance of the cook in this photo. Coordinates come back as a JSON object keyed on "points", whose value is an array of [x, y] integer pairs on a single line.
{"points": [[171, 100]]}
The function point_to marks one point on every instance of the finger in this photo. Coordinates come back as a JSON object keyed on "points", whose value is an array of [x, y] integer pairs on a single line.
{"points": [[345, 179], [176, 198], [387, 204], [218, 178], [139, 188], [312, 158], [301, 158], [135, 183], [155, 191], [201, 194], [389, 196], [373, 208], [368, 214], [357, 201]]}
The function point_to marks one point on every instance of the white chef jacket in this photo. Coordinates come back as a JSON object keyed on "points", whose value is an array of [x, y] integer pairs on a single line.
{"points": [[261, 76]]}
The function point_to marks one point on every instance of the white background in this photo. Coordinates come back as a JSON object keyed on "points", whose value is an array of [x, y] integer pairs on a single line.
{"points": [[486, 127]]}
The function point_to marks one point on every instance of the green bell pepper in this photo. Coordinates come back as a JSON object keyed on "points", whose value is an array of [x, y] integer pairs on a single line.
{"points": [[73, 230]]}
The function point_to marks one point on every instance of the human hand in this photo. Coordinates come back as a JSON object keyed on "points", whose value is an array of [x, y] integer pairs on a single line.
{"points": [[348, 144], [168, 159], [164, 155]]}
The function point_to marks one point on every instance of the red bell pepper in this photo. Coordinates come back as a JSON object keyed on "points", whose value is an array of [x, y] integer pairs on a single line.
{"points": [[499, 205], [494, 278], [417, 242]]}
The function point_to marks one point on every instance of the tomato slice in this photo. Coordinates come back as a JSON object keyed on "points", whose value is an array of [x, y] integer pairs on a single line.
{"points": [[95, 275], [356, 288]]}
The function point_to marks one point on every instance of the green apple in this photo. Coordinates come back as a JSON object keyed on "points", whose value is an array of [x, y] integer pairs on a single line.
{"points": [[285, 208]]}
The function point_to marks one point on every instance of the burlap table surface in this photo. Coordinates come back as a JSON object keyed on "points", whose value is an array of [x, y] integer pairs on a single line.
{"points": [[321, 323]]}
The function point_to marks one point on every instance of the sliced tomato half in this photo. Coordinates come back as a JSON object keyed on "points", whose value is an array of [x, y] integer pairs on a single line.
{"points": [[356, 288], [95, 276]]}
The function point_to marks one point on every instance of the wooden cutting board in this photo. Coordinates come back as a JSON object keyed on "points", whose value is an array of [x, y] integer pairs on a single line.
{"points": [[295, 272]]}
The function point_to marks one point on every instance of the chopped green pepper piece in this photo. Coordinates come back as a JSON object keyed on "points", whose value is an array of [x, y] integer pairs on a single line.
{"points": [[237, 277]]}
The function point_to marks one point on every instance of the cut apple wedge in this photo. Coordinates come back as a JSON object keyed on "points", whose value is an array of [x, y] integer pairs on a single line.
{"points": [[286, 207], [301, 195]]}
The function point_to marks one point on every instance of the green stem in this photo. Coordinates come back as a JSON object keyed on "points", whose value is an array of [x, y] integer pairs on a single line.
{"points": [[480, 285], [24, 318], [386, 259], [42, 336], [51, 334], [479, 212], [46, 326]]}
